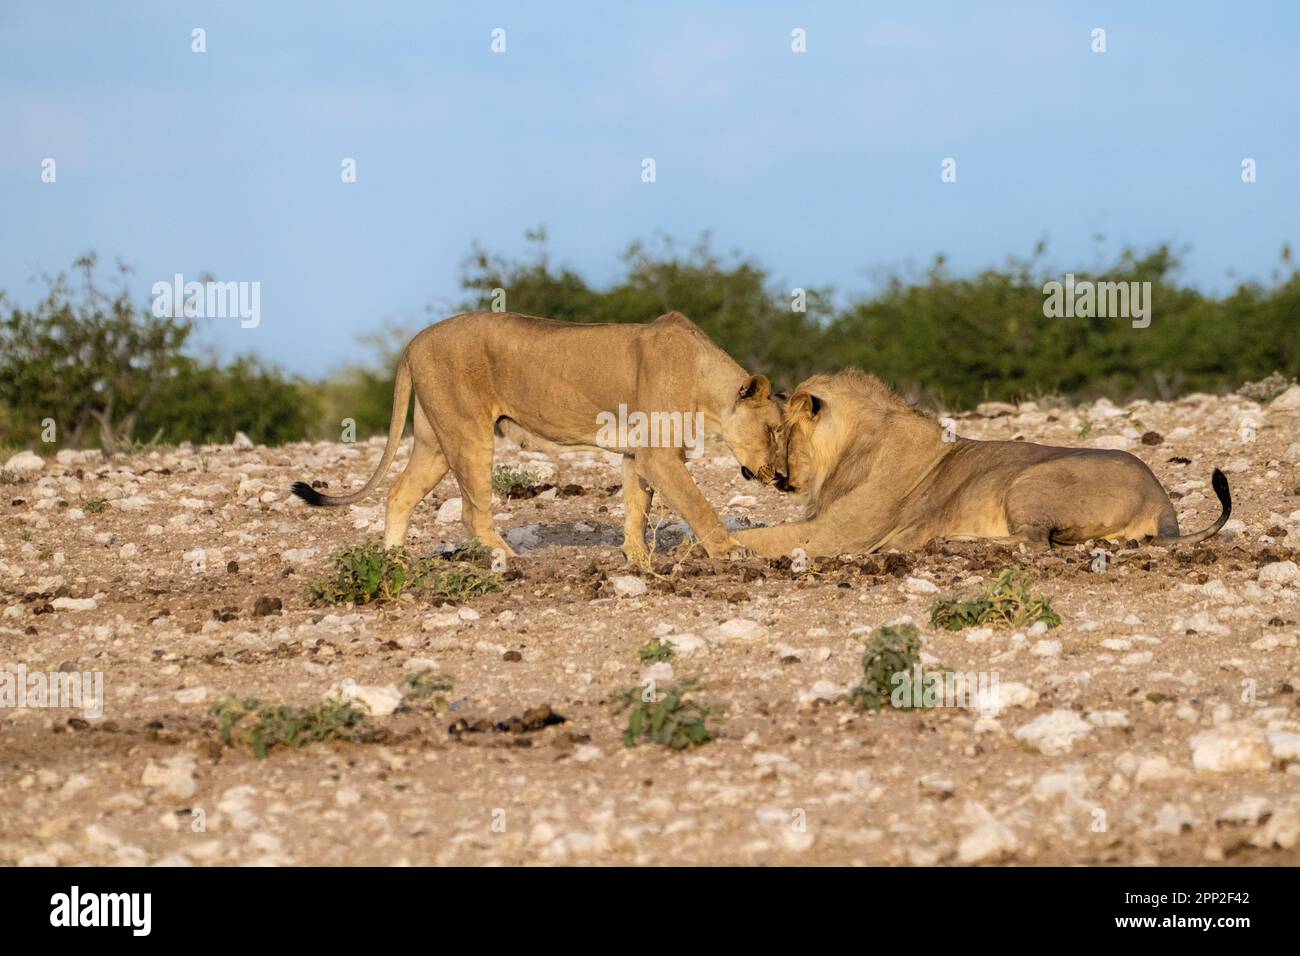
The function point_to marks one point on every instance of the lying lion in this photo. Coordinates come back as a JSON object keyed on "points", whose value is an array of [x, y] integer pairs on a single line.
{"points": [[483, 371], [878, 474]]}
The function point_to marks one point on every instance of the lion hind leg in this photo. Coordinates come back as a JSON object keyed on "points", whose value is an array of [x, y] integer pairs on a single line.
{"points": [[469, 453], [425, 469]]}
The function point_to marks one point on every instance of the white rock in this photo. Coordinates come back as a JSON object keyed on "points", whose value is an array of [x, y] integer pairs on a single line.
{"points": [[822, 690], [175, 776], [73, 604], [1285, 745], [1282, 829], [628, 585], [191, 695], [1108, 718], [1280, 573], [1247, 810], [1287, 401], [1156, 770], [686, 644], [988, 839], [1054, 733], [739, 629], [996, 696], [449, 511], [1231, 748], [379, 699], [1046, 649], [920, 586], [242, 441], [1173, 819], [25, 463], [659, 673]]}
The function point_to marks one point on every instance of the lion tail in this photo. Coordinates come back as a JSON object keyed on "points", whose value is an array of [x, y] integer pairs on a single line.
{"points": [[1219, 482], [396, 425]]}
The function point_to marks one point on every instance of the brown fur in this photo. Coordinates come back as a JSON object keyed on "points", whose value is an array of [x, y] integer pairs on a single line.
{"points": [[520, 374], [878, 474]]}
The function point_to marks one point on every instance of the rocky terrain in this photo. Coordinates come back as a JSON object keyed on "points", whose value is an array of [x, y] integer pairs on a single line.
{"points": [[1158, 724]]}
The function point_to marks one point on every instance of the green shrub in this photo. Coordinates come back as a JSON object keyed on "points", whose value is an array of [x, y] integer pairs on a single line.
{"points": [[505, 477], [363, 574], [1267, 388], [656, 651], [261, 725], [1006, 603], [370, 573], [892, 650], [426, 688], [673, 720]]}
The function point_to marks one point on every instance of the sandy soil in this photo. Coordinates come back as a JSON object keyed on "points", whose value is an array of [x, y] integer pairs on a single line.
{"points": [[1157, 725]]}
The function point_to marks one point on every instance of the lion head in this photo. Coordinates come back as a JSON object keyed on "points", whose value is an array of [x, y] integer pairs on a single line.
{"points": [[754, 429], [830, 424]]}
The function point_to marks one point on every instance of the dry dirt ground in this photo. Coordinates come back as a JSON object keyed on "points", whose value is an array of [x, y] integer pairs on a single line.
{"points": [[1159, 724]]}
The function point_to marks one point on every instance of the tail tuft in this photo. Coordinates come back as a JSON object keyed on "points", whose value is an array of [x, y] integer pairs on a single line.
{"points": [[313, 497], [1219, 482]]}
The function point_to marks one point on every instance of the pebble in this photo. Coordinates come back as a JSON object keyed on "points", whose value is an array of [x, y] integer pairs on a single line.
{"points": [[1231, 748], [628, 585], [1054, 733], [175, 776]]}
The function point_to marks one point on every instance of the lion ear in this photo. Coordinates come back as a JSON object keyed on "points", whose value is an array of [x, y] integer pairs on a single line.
{"points": [[805, 403], [756, 387]]}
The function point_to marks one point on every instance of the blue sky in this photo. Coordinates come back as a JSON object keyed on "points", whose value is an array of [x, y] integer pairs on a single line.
{"points": [[823, 166]]}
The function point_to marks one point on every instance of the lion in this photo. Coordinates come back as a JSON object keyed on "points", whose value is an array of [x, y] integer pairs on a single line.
{"points": [[483, 372], [879, 474]]}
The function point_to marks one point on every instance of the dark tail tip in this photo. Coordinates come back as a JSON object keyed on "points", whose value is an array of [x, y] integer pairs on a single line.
{"points": [[313, 497], [1219, 482]]}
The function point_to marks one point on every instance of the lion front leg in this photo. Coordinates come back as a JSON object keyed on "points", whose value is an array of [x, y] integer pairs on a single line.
{"points": [[781, 541], [666, 473], [637, 496]]}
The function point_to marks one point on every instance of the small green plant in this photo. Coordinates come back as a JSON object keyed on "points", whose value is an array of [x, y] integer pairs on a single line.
{"points": [[364, 574], [893, 649], [95, 506], [1266, 389], [261, 725], [1085, 429], [505, 477], [460, 582], [674, 720], [472, 551], [426, 687], [370, 573], [656, 651], [1006, 603]]}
